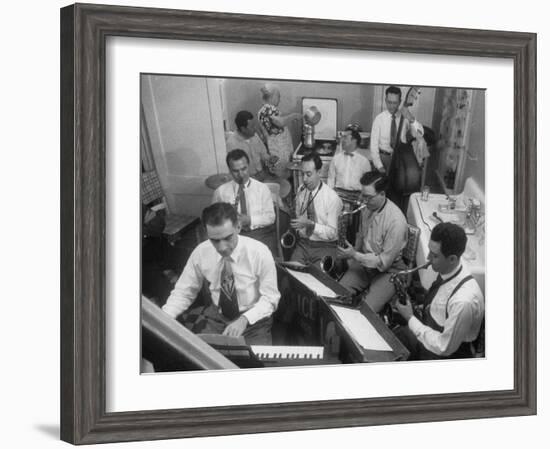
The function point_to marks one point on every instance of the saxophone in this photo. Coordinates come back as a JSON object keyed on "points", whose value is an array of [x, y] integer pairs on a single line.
{"points": [[289, 238], [327, 263], [400, 280]]}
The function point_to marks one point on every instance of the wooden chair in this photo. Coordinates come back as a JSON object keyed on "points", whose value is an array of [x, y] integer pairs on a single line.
{"points": [[409, 257], [409, 252]]}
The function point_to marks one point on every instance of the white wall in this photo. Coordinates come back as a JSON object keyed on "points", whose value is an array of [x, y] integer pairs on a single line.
{"points": [[184, 119], [30, 142]]}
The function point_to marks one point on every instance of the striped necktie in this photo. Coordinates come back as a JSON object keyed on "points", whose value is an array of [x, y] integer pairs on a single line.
{"points": [[242, 199], [229, 304]]}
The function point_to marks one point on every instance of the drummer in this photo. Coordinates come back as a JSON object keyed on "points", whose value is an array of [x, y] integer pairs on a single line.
{"points": [[251, 198], [245, 138]]}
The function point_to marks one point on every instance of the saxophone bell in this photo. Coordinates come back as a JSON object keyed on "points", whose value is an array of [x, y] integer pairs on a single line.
{"points": [[327, 264], [288, 239]]}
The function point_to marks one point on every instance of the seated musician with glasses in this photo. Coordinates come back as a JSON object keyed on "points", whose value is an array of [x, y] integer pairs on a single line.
{"points": [[251, 198], [378, 246], [241, 276], [453, 307], [317, 210]]}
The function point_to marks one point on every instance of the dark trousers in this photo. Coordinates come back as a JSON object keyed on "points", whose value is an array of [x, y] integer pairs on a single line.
{"points": [[375, 285], [208, 320], [266, 235], [385, 158], [311, 252], [419, 352]]}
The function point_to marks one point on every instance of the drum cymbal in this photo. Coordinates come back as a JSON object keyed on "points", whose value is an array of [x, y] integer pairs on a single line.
{"points": [[285, 186], [293, 165], [214, 181]]}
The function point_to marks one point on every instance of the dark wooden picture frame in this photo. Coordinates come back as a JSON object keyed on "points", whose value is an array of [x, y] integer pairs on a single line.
{"points": [[84, 29]]}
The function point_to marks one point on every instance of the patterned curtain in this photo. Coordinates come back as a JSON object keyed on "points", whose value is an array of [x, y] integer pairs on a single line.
{"points": [[453, 131]]}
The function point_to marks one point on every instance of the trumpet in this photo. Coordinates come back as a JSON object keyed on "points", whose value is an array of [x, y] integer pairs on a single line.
{"points": [[327, 263]]}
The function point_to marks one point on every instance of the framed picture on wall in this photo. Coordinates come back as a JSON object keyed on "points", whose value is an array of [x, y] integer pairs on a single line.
{"points": [[126, 114]]}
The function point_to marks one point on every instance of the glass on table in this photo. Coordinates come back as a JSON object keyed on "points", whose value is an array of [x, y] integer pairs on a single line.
{"points": [[425, 193]]}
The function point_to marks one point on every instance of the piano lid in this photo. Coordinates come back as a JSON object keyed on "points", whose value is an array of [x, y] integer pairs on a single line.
{"points": [[194, 352]]}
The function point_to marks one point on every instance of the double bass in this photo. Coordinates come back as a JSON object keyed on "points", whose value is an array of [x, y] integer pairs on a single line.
{"points": [[405, 172]]}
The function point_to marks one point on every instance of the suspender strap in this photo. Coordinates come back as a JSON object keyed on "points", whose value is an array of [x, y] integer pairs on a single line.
{"points": [[460, 284]]}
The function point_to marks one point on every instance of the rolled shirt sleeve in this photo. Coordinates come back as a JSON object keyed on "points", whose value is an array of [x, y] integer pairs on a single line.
{"points": [[186, 289], [455, 329], [269, 293], [395, 241]]}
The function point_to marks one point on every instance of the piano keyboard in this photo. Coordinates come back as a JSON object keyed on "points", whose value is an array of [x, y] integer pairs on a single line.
{"points": [[289, 353]]}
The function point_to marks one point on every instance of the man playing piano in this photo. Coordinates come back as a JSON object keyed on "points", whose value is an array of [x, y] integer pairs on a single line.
{"points": [[241, 277], [378, 246], [453, 307]]}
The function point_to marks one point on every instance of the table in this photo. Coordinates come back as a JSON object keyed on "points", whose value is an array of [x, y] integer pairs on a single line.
{"points": [[419, 213], [176, 225]]}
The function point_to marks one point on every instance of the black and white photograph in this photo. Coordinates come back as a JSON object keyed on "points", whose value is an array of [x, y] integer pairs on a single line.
{"points": [[294, 222], [198, 252]]}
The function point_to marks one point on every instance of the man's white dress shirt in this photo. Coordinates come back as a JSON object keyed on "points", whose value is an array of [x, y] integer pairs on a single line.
{"points": [[460, 317], [328, 207], [345, 170], [380, 134], [253, 270], [259, 202]]}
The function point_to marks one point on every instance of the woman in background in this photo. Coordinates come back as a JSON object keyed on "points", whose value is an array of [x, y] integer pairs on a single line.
{"points": [[274, 130]]}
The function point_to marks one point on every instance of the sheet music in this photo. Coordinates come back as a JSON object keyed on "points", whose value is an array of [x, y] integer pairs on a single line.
{"points": [[361, 329], [313, 283]]}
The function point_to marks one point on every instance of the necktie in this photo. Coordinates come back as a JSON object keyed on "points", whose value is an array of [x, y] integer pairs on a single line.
{"points": [[311, 207], [393, 131], [228, 295], [431, 293], [242, 200]]}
